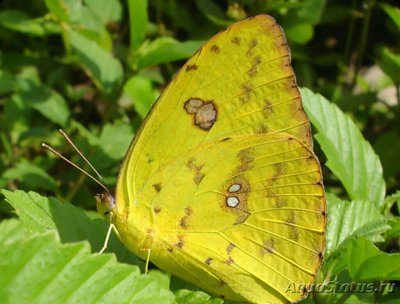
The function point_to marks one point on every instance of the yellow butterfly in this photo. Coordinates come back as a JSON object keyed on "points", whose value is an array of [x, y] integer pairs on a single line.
{"points": [[221, 185]]}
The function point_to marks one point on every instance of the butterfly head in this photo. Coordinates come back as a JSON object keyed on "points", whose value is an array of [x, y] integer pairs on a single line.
{"points": [[105, 202]]}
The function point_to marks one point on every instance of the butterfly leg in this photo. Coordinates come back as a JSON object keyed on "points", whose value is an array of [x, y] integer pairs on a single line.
{"points": [[110, 228], [146, 266]]}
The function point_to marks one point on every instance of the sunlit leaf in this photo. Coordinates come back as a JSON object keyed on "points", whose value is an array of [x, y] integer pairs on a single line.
{"points": [[138, 21], [105, 70], [69, 274], [164, 50], [48, 103], [368, 263], [142, 94], [106, 10], [350, 157], [32, 176], [347, 220]]}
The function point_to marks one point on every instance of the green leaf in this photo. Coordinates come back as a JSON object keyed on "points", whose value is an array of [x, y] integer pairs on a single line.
{"points": [[368, 263], [41, 214], [389, 157], [11, 230], [335, 13], [391, 199], [347, 220], [394, 233], [105, 70], [8, 83], [213, 12], [311, 11], [350, 157], [166, 49], [31, 175], [393, 12], [138, 19], [390, 64], [58, 9], [21, 22], [16, 116], [115, 139], [38, 269], [300, 33], [32, 209], [140, 91], [106, 10], [185, 296], [48, 103]]}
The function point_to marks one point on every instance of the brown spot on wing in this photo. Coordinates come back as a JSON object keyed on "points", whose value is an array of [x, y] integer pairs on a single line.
{"points": [[196, 169], [206, 116], [246, 90], [294, 234], [279, 169], [208, 261], [183, 223], [230, 261], [261, 129], [192, 105], [204, 112], [157, 187], [253, 70], [180, 242], [246, 157], [268, 246], [191, 67], [291, 219], [230, 247], [215, 48], [198, 177], [268, 108], [253, 44], [236, 40], [188, 211], [280, 202], [157, 209]]}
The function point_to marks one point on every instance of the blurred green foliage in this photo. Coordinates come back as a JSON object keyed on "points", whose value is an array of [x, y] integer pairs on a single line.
{"points": [[95, 67]]}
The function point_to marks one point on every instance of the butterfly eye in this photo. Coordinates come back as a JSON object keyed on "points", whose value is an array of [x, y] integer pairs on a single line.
{"points": [[105, 202]]}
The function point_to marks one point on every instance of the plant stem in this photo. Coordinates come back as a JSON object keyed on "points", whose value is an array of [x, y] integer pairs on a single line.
{"points": [[363, 40], [343, 298], [75, 187], [350, 32]]}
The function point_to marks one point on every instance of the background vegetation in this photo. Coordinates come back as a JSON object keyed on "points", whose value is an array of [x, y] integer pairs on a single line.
{"points": [[94, 67]]}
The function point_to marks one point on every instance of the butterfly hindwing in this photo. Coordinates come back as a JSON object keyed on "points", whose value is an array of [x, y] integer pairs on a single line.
{"points": [[249, 206]]}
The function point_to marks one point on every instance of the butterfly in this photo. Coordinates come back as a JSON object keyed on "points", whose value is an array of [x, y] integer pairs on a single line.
{"points": [[220, 186]]}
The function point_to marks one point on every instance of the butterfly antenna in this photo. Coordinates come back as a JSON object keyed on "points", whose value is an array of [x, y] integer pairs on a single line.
{"points": [[79, 152], [46, 146]]}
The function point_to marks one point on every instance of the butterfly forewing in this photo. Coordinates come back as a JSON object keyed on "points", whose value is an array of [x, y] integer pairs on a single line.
{"points": [[220, 183]]}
